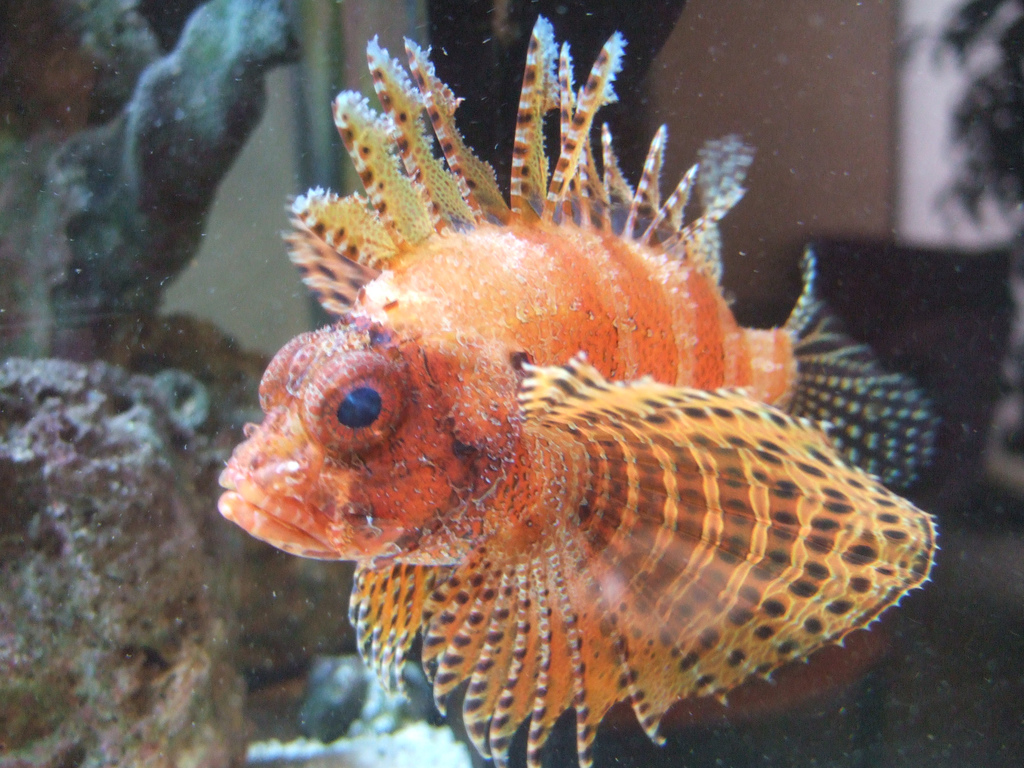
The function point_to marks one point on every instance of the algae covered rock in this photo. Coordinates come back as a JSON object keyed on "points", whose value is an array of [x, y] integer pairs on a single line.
{"points": [[115, 636], [105, 187]]}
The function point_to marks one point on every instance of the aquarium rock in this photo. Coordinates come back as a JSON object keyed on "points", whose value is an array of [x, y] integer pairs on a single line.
{"points": [[92, 226], [116, 639], [344, 697], [414, 746]]}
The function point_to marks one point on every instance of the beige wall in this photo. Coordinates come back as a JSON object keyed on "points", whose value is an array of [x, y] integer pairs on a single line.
{"points": [[811, 85]]}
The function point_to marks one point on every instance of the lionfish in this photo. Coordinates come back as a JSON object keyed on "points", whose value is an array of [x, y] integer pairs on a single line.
{"points": [[540, 432]]}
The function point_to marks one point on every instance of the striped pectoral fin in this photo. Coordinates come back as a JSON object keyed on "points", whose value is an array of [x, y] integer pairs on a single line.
{"points": [[725, 537], [509, 621], [387, 611], [881, 421]]}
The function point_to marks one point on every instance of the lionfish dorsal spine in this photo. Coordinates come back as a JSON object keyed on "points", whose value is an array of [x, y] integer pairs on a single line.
{"points": [[538, 96], [398, 200], [617, 190], [647, 199], [338, 244], [475, 177], [672, 210], [404, 106], [596, 92]]}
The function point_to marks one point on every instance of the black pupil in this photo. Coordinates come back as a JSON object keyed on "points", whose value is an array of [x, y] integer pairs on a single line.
{"points": [[360, 408]]}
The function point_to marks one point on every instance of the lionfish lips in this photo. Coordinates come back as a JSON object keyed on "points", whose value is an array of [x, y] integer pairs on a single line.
{"points": [[271, 489], [281, 521]]}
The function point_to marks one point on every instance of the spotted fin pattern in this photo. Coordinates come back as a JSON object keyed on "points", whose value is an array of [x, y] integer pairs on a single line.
{"points": [[538, 97], [715, 539], [881, 421], [476, 178], [386, 610], [404, 106], [596, 92], [338, 246], [422, 197], [727, 536]]}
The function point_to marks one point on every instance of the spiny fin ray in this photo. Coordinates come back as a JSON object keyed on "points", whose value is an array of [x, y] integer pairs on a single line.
{"points": [[338, 245], [404, 106], [723, 168], [476, 177], [647, 199], [386, 610], [538, 96], [594, 94], [399, 201]]}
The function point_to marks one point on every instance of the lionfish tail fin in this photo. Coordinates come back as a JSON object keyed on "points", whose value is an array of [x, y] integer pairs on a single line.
{"points": [[881, 421]]}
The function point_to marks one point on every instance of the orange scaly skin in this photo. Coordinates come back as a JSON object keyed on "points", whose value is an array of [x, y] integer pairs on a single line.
{"points": [[554, 291], [647, 523]]}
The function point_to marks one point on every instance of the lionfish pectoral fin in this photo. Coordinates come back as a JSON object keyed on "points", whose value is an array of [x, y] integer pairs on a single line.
{"points": [[880, 421], [723, 537], [386, 610], [338, 244]]}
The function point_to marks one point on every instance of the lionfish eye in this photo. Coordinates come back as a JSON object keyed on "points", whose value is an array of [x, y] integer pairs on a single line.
{"points": [[360, 408]]}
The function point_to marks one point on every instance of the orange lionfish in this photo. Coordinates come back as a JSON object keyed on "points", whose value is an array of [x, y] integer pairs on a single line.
{"points": [[545, 440]]}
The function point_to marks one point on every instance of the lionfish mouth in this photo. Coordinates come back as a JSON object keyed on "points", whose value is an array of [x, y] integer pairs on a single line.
{"points": [[279, 519], [271, 527]]}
